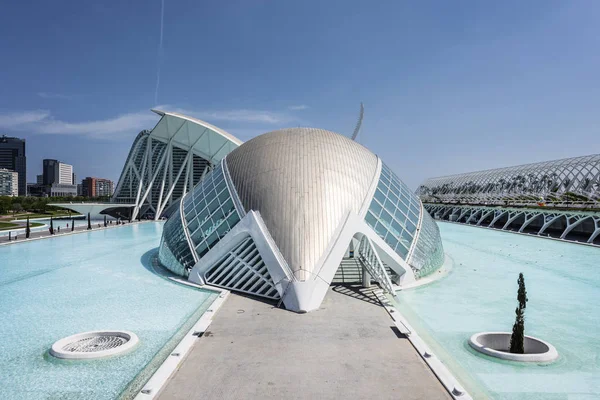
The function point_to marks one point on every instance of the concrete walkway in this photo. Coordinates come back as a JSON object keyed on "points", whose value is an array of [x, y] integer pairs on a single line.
{"points": [[345, 350], [45, 233]]}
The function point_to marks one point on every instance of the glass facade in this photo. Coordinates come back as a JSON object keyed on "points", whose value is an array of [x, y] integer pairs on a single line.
{"points": [[394, 212], [428, 254], [174, 252], [394, 215], [208, 215]]}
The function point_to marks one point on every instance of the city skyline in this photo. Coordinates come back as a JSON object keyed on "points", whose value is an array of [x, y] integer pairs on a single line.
{"points": [[472, 86]]}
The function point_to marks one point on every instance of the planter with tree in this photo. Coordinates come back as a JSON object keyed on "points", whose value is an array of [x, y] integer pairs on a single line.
{"points": [[515, 346]]}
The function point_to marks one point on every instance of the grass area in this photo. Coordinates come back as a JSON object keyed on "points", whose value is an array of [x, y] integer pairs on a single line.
{"points": [[5, 226], [46, 215]]}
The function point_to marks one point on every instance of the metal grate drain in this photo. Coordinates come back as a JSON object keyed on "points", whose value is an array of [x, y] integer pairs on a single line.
{"points": [[96, 344]]}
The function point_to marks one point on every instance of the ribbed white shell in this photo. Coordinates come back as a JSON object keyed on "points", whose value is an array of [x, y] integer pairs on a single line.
{"points": [[303, 181]]}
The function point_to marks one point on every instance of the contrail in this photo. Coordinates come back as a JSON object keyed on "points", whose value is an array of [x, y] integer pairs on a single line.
{"points": [[160, 50]]}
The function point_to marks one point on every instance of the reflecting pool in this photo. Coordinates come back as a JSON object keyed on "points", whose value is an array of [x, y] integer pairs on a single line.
{"points": [[480, 294], [96, 280]]}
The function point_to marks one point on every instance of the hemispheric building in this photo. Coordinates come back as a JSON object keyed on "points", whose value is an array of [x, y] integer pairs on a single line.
{"points": [[276, 216]]}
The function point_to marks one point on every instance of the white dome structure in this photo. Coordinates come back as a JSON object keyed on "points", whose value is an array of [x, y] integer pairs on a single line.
{"points": [[276, 217]]}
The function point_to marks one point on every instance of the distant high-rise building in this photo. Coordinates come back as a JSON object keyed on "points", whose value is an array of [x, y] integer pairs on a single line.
{"points": [[96, 187], [65, 174], [12, 157], [9, 182], [57, 179], [57, 172], [39, 179]]}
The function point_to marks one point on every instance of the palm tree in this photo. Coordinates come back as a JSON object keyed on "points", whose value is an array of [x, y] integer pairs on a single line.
{"points": [[27, 230]]}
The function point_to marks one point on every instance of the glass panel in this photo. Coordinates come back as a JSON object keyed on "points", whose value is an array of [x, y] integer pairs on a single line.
{"points": [[375, 208], [371, 220], [386, 217], [380, 196], [212, 239], [380, 229]]}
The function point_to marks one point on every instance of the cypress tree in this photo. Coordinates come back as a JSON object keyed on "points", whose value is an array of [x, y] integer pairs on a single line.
{"points": [[517, 339], [51, 229], [105, 221], [72, 224], [27, 229], [89, 222]]}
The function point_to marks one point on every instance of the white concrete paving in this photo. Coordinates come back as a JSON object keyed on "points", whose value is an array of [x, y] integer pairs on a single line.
{"points": [[348, 348]]}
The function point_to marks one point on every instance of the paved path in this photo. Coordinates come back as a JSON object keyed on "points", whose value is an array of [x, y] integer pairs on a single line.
{"points": [[345, 350], [45, 233]]}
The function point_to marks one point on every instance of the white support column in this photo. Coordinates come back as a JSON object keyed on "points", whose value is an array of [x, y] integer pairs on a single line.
{"points": [[497, 215], [162, 206], [141, 181], [571, 225], [190, 163], [164, 179], [529, 217], [484, 216], [511, 218], [549, 220], [151, 183], [596, 231]]}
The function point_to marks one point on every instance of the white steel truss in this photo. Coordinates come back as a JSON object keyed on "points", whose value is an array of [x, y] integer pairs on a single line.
{"points": [[372, 263], [579, 226], [242, 269], [167, 162], [572, 182]]}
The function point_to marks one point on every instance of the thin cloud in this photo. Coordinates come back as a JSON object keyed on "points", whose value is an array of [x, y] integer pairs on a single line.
{"points": [[242, 115], [298, 107], [47, 95], [44, 123], [15, 120]]}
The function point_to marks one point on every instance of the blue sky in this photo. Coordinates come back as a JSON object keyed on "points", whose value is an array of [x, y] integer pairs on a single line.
{"points": [[448, 87]]}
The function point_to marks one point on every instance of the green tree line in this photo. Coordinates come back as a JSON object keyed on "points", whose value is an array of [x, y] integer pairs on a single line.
{"points": [[40, 204]]}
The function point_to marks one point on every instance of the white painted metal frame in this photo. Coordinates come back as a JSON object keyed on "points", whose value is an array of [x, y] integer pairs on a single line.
{"points": [[571, 182], [154, 170], [476, 215]]}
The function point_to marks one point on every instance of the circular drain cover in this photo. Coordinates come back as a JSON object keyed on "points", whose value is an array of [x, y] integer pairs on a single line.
{"points": [[96, 344]]}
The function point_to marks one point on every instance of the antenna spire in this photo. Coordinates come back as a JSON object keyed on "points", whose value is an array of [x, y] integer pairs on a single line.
{"points": [[359, 122]]}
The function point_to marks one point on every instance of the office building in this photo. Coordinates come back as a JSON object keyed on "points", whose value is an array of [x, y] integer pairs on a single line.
{"points": [[12, 157], [96, 187], [9, 183]]}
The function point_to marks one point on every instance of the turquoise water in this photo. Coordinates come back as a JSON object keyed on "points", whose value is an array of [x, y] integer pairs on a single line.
{"points": [[479, 294], [57, 287]]}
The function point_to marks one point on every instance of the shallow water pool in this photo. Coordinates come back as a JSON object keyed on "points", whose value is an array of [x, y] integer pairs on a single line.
{"points": [[480, 294], [98, 280]]}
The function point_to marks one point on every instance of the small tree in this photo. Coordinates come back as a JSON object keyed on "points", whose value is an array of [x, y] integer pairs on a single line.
{"points": [[517, 339], [27, 229], [51, 229], [89, 222]]}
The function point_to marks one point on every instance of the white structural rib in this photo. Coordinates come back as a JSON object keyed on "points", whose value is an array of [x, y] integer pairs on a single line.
{"points": [[168, 161]]}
